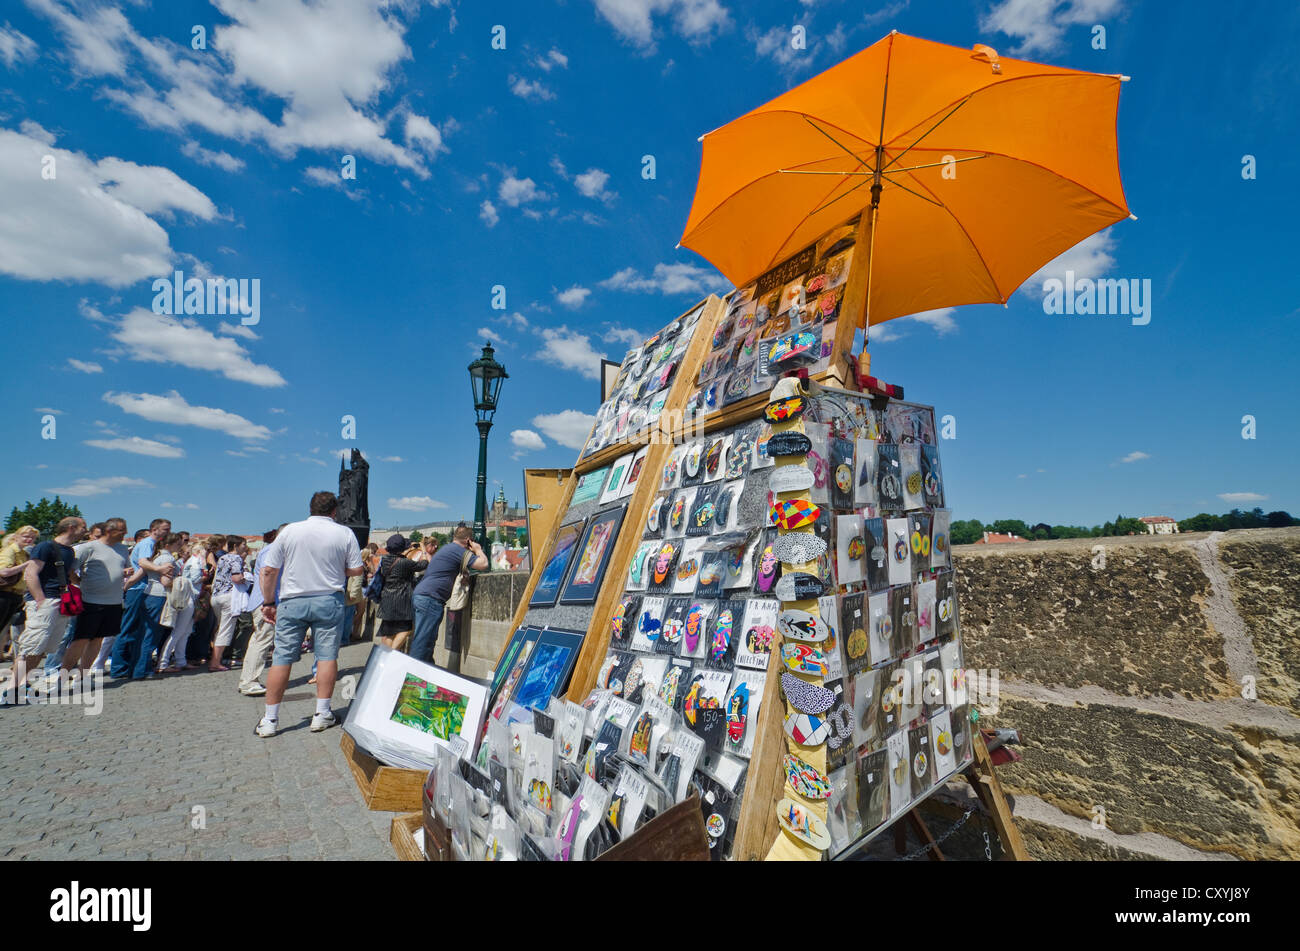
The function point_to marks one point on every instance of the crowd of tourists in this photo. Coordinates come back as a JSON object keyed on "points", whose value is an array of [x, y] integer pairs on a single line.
{"points": [[87, 603]]}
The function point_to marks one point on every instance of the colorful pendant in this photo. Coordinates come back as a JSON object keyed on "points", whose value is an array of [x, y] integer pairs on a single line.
{"points": [[804, 659], [806, 697], [797, 548], [782, 410], [721, 635], [803, 825], [802, 626], [737, 711], [807, 730]]}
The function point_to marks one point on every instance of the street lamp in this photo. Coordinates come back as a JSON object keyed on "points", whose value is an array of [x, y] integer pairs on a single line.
{"points": [[485, 378]]}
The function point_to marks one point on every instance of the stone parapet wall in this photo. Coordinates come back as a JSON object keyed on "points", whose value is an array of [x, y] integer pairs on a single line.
{"points": [[1129, 667]]}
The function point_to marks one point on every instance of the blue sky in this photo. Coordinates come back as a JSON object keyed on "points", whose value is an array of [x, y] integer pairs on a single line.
{"points": [[521, 167]]}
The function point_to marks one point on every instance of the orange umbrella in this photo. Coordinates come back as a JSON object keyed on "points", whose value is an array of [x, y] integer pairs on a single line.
{"points": [[976, 171]]}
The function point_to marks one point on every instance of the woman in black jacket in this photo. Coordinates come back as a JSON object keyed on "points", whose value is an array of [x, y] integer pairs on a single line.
{"points": [[396, 610]]}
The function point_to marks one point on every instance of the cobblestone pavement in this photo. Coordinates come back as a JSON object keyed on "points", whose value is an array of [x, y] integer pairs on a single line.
{"points": [[133, 781]]}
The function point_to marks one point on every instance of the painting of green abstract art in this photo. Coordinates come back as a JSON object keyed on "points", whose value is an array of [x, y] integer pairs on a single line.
{"points": [[426, 707]]}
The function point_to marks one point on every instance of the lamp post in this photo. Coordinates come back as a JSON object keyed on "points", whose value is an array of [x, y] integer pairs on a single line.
{"points": [[485, 378]]}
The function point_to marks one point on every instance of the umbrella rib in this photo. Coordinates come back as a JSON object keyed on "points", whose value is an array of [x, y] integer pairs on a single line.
{"points": [[927, 132], [845, 148], [823, 207], [974, 247], [918, 194], [913, 168]]}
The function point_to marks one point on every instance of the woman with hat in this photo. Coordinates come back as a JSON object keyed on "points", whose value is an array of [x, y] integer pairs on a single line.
{"points": [[396, 610]]}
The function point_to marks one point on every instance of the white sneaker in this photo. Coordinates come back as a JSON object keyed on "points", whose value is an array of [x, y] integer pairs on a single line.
{"points": [[253, 690], [267, 727], [323, 721]]}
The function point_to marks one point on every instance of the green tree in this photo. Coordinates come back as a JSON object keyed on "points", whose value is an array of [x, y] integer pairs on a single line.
{"points": [[1279, 519], [44, 515], [965, 531], [1010, 526], [416, 536], [1130, 526]]}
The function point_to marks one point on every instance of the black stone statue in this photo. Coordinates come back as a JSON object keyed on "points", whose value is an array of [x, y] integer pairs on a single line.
{"points": [[354, 497]]}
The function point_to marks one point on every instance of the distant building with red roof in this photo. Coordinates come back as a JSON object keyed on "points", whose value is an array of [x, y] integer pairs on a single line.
{"points": [[997, 538], [1159, 524]]}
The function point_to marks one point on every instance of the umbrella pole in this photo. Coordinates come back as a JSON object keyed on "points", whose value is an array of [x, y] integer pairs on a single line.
{"points": [[871, 242]]}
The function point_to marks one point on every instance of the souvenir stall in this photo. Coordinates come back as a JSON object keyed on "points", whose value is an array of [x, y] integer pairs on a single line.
{"points": [[747, 608]]}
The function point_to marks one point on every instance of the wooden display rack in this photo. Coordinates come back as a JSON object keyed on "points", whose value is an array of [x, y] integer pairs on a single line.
{"points": [[402, 835], [757, 826], [384, 788]]}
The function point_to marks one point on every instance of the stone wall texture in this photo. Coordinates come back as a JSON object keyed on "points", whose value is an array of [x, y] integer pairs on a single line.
{"points": [[1154, 680]]}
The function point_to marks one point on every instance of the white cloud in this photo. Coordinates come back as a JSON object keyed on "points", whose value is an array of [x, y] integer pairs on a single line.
{"points": [[515, 319], [1236, 497], [552, 59], [319, 65], [694, 20], [526, 439], [173, 409], [940, 321], [101, 486], [487, 333], [519, 191], [139, 446], [592, 182], [526, 88], [46, 409], [617, 334], [157, 338], [85, 366], [1090, 258], [238, 330], [668, 279], [424, 135], [1135, 456], [215, 159], [571, 350], [488, 212], [391, 459], [1040, 24], [92, 221], [178, 505], [568, 427], [16, 47], [415, 503], [574, 296]]}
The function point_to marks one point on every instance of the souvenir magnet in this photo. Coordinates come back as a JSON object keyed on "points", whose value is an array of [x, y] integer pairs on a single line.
{"points": [[805, 780], [722, 629], [802, 626], [799, 586], [794, 513], [803, 825], [782, 410], [737, 711], [789, 443], [806, 697], [796, 548], [804, 659], [790, 479], [807, 730]]}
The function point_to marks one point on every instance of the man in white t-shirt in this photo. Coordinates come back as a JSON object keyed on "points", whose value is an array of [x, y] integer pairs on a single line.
{"points": [[311, 562]]}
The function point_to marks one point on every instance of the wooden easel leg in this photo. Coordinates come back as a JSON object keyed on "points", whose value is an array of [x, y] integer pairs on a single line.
{"points": [[900, 838], [923, 833], [984, 781]]}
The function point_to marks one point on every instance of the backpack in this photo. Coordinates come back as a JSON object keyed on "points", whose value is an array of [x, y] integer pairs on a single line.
{"points": [[375, 590]]}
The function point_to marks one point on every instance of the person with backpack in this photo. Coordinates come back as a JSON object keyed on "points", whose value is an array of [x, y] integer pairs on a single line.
{"points": [[460, 555], [394, 582]]}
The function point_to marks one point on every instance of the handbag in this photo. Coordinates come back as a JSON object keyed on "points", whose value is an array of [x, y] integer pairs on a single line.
{"points": [[70, 601], [461, 589], [375, 590]]}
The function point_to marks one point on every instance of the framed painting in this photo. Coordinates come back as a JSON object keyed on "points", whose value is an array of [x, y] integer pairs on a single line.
{"points": [[589, 486], [618, 474], [549, 667], [593, 557], [524, 634], [557, 566], [405, 710]]}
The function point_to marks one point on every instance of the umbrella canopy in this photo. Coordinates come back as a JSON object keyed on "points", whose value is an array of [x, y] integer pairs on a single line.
{"points": [[983, 170]]}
